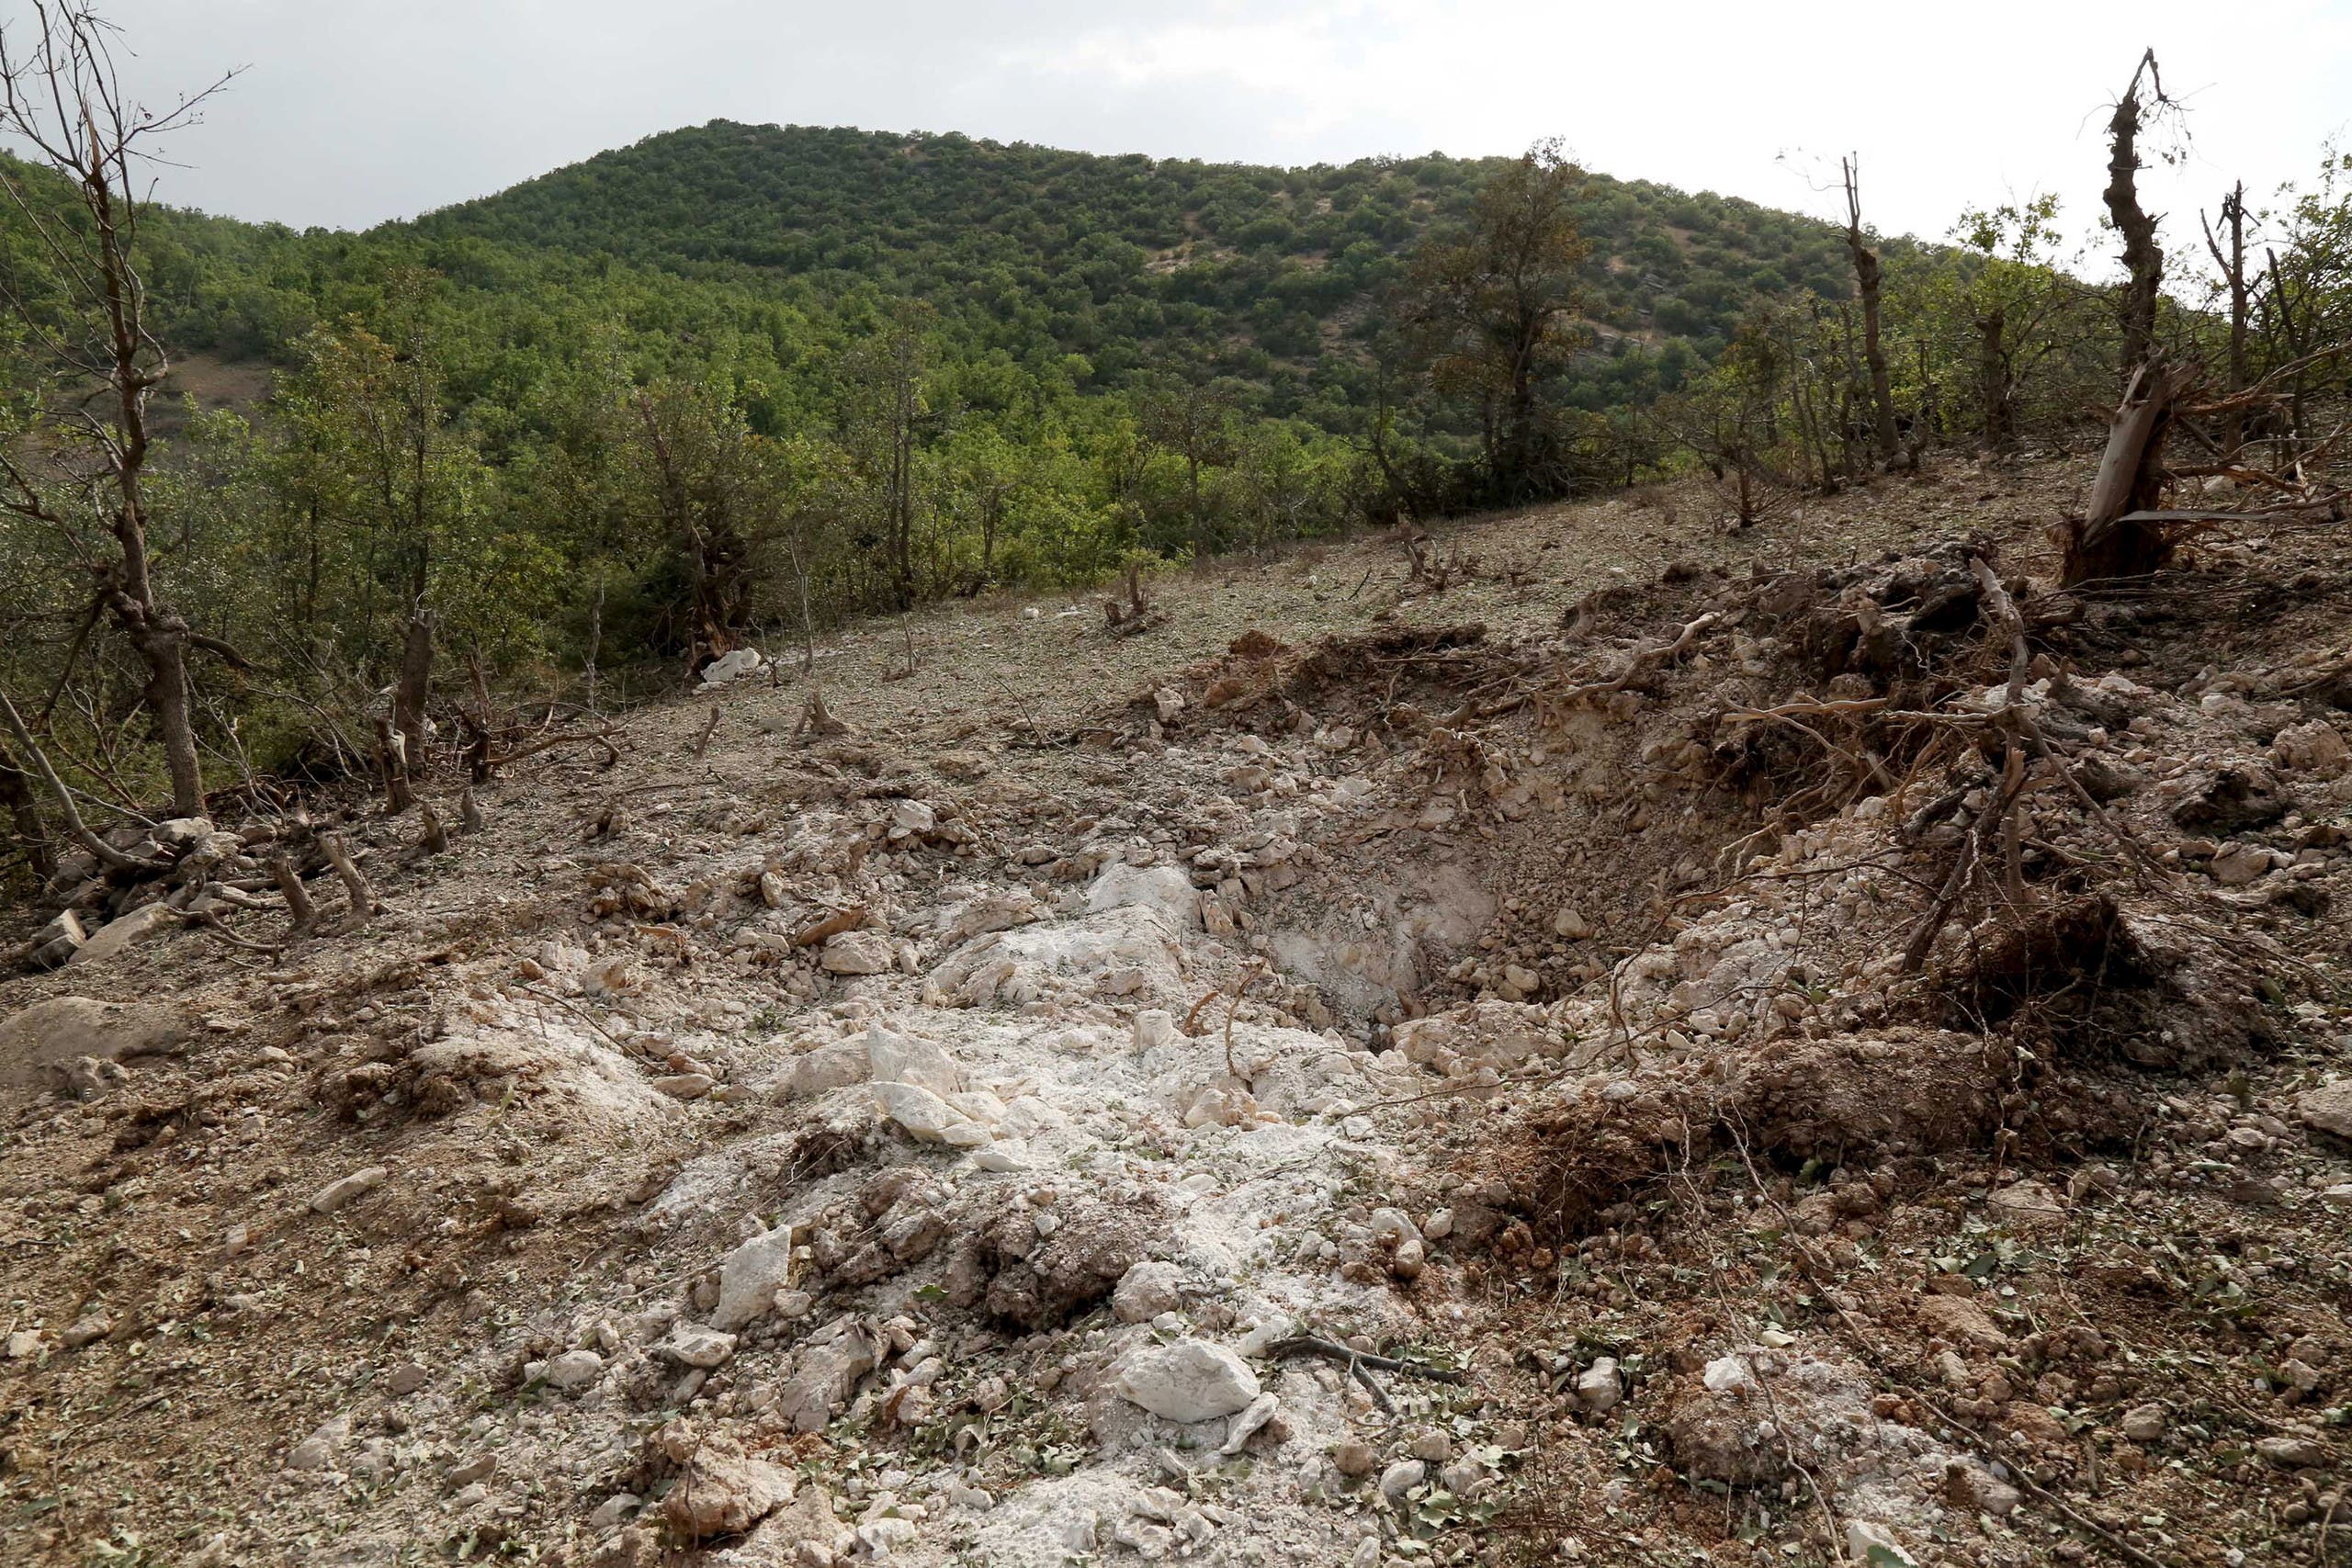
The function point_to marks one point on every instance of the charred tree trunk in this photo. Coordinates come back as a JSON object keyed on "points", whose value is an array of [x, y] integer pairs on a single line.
{"points": [[2143, 259]]}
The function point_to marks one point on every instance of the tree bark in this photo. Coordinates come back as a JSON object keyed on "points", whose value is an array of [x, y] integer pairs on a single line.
{"points": [[416, 684], [1867, 278], [2233, 268], [297, 897], [2143, 259], [391, 760], [2108, 543], [362, 896], [1993, 389]]}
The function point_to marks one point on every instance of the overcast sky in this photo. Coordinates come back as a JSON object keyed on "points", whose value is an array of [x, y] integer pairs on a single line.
{"points": [[349, 112]]}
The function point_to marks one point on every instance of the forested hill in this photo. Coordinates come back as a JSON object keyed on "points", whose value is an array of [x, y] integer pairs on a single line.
{"points": [[1254, 272], [1123, 259]]}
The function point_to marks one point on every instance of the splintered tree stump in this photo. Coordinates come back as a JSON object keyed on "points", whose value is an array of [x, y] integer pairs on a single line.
{"points": [[392, 761], [816, 719], [363, 897], [297, 897], [2113, 539]]}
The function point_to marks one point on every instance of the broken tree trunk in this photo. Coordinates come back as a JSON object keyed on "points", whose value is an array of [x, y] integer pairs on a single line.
{"points": [[363, 897], [392, 762], [297, 897], [2143, 258], [2110, 540], [817, 720]]}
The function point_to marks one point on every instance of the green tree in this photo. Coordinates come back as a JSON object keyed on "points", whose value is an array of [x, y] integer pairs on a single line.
{"points": [[1495, 303], [380, 478], [886, 412]]}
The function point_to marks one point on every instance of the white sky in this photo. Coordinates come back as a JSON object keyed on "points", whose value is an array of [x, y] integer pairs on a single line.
{"points": [[354, 111]]}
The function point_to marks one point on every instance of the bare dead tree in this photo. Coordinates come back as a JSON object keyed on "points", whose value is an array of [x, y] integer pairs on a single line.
{"points": [[2232, 264], [61, 98], [1867, 278], [2143, 259], [2114, 538]]}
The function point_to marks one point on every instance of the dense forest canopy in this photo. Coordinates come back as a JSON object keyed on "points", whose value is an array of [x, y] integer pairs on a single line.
{"points": [[738, 381], [784, 233]]}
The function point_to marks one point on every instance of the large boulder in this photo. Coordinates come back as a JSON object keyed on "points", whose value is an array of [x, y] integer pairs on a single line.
{"points": [[38, 1045], [724, 1491], [122, 933], [901, 1058], [2328, 1107], [1191, 1380]]}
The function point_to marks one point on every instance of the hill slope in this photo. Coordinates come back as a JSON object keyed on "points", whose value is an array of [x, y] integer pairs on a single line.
{"points": [[707, 234], [1246, 1111], [1118, 257]]}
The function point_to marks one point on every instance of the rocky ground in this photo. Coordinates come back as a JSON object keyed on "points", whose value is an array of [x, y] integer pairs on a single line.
{"points": [[1596, 1038]]}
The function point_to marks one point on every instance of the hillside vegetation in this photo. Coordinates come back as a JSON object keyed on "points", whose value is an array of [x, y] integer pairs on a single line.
{"points": [[734, 383], [1033, 252]]}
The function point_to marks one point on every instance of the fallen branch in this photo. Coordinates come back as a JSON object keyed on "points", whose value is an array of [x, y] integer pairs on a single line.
{"points": [[832, 925], [1331, 1349], [601, 737], [1640, 661]]}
